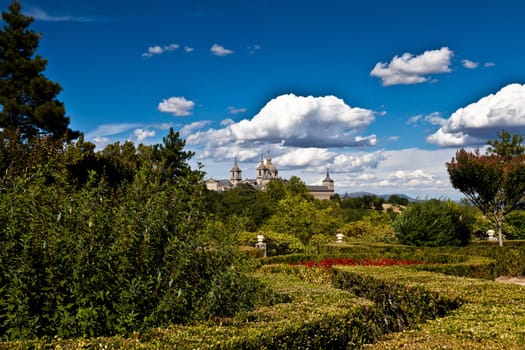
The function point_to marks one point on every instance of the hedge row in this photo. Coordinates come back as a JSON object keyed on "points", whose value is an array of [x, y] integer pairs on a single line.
{"points": [[491, 314], [304, 315], [481, 260], [307, 316], [306, 312]]}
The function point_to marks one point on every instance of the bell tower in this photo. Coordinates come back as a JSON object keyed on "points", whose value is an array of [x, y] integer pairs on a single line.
{"points": [[235, 174]]}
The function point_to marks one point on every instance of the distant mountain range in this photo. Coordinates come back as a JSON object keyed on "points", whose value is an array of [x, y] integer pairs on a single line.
{"points": [[384, 196]]}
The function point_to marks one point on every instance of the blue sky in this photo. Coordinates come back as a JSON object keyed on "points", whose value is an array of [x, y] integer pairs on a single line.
{"points": [[380, 92]]}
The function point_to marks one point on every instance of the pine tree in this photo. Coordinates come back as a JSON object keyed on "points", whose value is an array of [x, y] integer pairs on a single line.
{"points": [[28, 99]]}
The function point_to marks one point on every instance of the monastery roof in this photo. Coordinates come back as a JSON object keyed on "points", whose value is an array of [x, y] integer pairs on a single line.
{"points": [[221, 182]]}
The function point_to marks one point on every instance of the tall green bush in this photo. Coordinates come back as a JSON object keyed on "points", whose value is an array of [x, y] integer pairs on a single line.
{"points": [[434, 223], [101, 260]]}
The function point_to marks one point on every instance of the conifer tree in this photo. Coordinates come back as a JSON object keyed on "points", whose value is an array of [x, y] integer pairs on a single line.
{"points": [[28, 100]]}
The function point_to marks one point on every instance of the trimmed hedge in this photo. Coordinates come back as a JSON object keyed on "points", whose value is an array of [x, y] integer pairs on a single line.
{"points": [[491, 316], [479, 260], [310, 316], [305, 312]]}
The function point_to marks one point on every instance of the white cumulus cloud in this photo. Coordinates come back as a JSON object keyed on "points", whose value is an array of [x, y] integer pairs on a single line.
{"points": [[410, 69], [304, 157], [470, 64], [219, 50], [296, 121], [479, 121], [158, 50], [141, 134], [305, 122], [344, 163], [178, 106]]}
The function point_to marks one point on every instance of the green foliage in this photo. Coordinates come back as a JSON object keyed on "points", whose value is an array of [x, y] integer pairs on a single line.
{"points": [[398, 200], [296, 187], [509, 146], [243, 201], [433, 223], [302, 218], [99, 258], [514, 225], [495, 182], [276, 243], [490, 314], [364, 202], [30, 108], [376, 227], [300, 308]]}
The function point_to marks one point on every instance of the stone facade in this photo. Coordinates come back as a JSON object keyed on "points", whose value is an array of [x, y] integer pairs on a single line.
{"points": [[265, 172]]}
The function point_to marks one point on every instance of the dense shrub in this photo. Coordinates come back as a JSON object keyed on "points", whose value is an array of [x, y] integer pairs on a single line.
{"points": [[371, 228], [102, 260], [514, 225], [434, 223]]}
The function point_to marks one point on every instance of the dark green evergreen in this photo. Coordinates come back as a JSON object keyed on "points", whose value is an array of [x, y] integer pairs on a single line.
{"points": [[28, 99]]}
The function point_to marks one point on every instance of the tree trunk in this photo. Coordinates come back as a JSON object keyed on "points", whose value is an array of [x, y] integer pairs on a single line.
{"points": [[500, 230]]}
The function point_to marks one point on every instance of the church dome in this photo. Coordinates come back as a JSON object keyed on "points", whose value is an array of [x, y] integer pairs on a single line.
{"points": [[272, 167], [269, 164], [261, 165]]}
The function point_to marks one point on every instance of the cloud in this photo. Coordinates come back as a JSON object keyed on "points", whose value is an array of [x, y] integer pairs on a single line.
{"points": [[415, 172], [410, 69], [219, 50], [310, 157], [234, 110], [159, 50], [306, 121], [344, 163], [141, 134], [479, 121], [105, 134], [296, 121], [188, 49], [178, 106], [433, 118], [41, 15], [100, 142], [254, 49], [470, 64], [414, 119], [489, 64], [227, 121], [190, 128], [111, 129]]}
